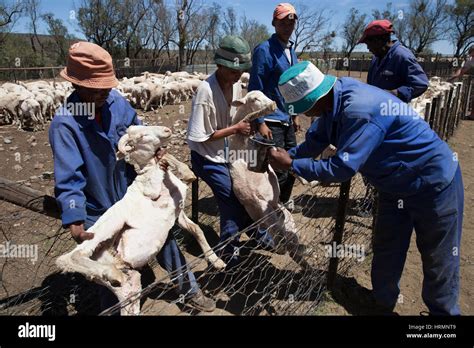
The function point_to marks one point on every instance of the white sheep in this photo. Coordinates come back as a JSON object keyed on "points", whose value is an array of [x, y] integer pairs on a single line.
{"points": [[137, 226], [244, 79], [259, 192], [31, 115]]}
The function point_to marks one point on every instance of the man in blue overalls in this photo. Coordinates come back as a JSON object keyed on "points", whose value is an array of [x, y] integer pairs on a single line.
{"points": [[88, 180], [393, 67], [270, 59], [417, 175]]}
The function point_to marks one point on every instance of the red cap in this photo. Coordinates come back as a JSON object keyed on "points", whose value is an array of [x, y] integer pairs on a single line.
{"points": [[283, 10], [376, 28]]}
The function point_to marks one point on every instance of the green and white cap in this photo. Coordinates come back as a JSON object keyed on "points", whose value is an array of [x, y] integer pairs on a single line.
{"points": [[234, 53], [303, 85]]}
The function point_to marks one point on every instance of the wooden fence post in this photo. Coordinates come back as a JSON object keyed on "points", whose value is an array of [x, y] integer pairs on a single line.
{"points": [[447, 113], [29, 198], [428, 113], [338, 230], [434, 107]]}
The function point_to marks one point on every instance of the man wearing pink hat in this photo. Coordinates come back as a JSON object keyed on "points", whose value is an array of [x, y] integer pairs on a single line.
{"points": [[393, 67], [88, 179], [270, 59]]}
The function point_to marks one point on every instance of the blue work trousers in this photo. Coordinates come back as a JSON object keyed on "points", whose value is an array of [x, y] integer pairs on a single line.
{"points": [[437, 220]]}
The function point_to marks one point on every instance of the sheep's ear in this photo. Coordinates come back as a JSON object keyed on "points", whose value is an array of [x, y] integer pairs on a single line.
{"points": [[239, 102]]}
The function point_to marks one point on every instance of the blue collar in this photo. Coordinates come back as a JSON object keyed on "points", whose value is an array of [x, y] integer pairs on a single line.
{"points": [[334, 114], [389, 54]]}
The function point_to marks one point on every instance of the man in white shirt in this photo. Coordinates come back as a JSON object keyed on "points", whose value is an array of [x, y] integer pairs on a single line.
{"points": [[208, 129]]}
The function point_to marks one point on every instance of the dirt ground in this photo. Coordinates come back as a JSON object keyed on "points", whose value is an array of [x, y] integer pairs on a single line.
{"points": [[26, 157]]}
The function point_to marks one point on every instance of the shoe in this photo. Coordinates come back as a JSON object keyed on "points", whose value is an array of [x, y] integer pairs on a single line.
{"points": [[201, 302]]}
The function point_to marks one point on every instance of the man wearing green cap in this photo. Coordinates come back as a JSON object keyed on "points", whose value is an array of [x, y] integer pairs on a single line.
{"points": [[209, 127], [417, 176]]}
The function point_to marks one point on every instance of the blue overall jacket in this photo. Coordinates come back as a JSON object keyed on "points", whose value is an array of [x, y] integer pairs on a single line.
{"points": [[88, 178], [269, 61], [398, 70], [379, 136]]}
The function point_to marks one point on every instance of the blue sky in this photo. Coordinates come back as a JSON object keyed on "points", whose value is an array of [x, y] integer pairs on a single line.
{"points": [[260, 10]]}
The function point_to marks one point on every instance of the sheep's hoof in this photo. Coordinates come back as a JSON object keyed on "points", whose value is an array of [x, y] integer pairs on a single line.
{"points": [[219, 264]]}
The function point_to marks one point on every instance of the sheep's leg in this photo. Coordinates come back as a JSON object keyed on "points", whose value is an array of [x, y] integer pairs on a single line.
{"points": [[76, 262], [130, 290], [182, 171], [196, 231], [79, 260]]}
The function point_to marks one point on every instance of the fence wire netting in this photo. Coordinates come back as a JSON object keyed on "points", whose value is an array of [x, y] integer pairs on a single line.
{"points": [[263, 283]]}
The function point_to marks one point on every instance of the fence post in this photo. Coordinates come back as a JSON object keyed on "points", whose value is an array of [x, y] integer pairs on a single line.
{"points": [[458, 106], [428, 113], [454, 112], [468, 97], [447, 113], [338, 230], [195, 201], [433, 112]]}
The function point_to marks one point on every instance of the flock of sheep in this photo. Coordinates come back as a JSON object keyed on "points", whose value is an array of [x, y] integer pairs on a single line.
{"points": [[155, 90], [31, 105]]}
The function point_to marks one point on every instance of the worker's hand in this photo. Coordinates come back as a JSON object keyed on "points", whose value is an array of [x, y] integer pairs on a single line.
{"points": [[265, 131], [296, 124], [163, 163], [279, 158], [160, 153], [78, 233], [243, 127]]}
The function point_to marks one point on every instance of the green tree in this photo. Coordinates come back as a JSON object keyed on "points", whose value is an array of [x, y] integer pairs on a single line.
{"points": [[461, 25], [353, 29], [60, 34]]}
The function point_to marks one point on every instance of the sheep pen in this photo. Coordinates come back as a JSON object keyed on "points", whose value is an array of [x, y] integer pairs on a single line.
{"points": [[264, 283]]}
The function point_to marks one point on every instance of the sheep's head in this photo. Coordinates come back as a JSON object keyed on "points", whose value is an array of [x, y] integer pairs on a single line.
{"points": [[255, 104], [139, 145]]}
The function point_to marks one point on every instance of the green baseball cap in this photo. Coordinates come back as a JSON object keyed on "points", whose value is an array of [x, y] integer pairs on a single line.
{"points": [[234, 53]]}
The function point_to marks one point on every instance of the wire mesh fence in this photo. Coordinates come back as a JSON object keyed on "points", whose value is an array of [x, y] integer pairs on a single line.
{"points": [[263, 283], [334, 231]]}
